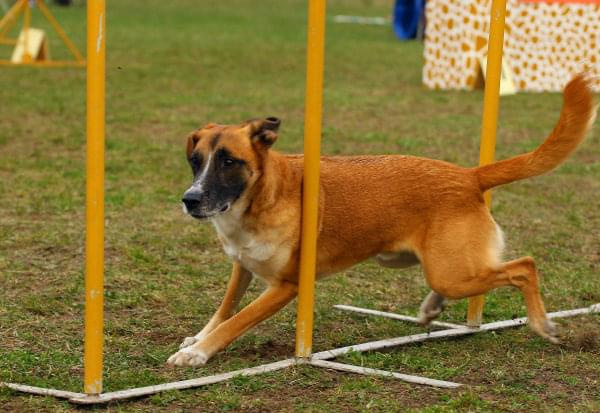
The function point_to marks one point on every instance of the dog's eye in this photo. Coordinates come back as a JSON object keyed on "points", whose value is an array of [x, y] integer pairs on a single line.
{"points": [[228, 161], [195, 162]]}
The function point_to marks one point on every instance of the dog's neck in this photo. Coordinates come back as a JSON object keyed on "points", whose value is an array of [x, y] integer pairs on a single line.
{"points": [[267, 190], [248, 232], [228, 223]]}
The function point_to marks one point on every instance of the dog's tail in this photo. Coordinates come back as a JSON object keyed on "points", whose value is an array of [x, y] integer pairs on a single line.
{"points": [[576, 118]]}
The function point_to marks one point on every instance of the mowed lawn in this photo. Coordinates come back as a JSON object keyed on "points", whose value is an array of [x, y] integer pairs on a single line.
{"points": [[175, 65]]}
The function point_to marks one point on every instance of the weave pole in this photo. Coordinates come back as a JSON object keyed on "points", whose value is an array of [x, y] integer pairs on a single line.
{"points": [[489, 122], [315, 50], [94, 239]]}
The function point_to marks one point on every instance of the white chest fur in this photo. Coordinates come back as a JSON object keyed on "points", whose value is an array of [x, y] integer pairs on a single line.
{"points": [[255, 253]]}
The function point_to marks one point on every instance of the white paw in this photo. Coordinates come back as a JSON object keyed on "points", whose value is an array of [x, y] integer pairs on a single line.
{"points": [[188, 341], [422, 319], [426, 317], [188, 356], [551, 330], [547, 329]]}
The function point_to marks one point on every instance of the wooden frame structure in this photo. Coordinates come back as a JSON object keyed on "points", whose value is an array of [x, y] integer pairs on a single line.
{"points": [[23, 7]]}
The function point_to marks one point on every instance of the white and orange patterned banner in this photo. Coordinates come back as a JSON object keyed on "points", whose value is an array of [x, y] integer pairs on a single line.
{"points": [[545, 44]]}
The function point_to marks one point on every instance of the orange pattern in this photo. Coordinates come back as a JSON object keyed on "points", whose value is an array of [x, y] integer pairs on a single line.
{"points": [[545, 43]]}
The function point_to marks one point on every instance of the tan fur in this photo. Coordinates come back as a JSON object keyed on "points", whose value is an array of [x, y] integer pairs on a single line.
{"points": [[576, 118], [401, 209]]}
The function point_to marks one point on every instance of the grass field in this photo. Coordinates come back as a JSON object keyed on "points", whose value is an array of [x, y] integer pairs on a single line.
{"points": [[175, 65]]}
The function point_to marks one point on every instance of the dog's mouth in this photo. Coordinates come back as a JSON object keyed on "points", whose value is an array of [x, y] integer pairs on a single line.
{"points": [[201, 215]]}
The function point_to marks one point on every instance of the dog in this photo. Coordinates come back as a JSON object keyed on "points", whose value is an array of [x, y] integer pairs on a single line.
{"points": [[402, 210]]}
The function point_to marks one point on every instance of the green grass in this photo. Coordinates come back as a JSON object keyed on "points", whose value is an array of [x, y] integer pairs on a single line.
{"points": [[173, 66]]}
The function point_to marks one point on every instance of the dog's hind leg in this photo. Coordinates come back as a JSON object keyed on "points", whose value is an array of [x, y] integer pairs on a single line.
{"points": [[462, 259], [431, 307], [433, 304], [520, 273], [238, 283]]}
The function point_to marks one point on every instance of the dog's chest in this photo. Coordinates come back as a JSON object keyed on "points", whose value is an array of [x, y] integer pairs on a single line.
{"points": [[247, 248], [257, 254]]}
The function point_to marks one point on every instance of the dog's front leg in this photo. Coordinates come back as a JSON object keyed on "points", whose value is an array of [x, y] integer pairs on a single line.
{"points": [[238, 283], [273, 299]]}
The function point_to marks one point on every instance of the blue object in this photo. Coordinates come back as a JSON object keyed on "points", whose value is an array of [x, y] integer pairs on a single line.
{"points": [[407, 14]]}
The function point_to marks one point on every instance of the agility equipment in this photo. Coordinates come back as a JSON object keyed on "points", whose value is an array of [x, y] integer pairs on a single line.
{"points": [[94, 203], [546, 42], [31, 46], [489, 122], [94, 277], [319, 359], [315, 55]]}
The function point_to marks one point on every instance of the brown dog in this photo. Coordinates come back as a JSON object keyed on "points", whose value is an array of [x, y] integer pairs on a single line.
{"points": [[403, 210]]}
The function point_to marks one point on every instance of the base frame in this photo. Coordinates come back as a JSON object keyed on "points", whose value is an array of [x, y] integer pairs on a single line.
{"points": [[319, 359]]}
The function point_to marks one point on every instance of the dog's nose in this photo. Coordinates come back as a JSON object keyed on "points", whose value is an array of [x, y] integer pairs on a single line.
{"points": [[191, 200]]}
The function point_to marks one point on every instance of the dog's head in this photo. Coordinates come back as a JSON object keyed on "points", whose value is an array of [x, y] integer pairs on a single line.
{"points": [[226, 161]]}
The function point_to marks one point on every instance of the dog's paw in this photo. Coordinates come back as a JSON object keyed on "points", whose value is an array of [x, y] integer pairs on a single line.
{"points": [[423, 320], [427, 316], [188, 356], [548, 330], [431, 307], [551, 330], [188, 341]]}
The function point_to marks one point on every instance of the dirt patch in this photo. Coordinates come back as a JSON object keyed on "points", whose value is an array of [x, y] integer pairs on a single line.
{"points": [[582, 335], [291, 393], [271, 349]]}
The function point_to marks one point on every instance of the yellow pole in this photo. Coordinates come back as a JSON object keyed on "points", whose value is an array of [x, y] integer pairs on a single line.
{"points": [[26, 24], [315, 48], [490, 120], [94, 240]]}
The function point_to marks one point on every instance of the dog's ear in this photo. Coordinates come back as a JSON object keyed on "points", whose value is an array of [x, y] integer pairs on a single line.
{"points": [[194, 137], [263, 132], [192, 140]]}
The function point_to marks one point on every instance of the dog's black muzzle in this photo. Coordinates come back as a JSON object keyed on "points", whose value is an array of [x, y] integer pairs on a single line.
{"points": [[200, 204], [197, 203], [192, 201]]}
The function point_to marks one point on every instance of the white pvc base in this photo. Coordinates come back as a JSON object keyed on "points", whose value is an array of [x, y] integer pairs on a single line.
{"points": [[317, 360], [383, 373], [41, 391], [394, 316], [180, 385], [452, 332]]}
